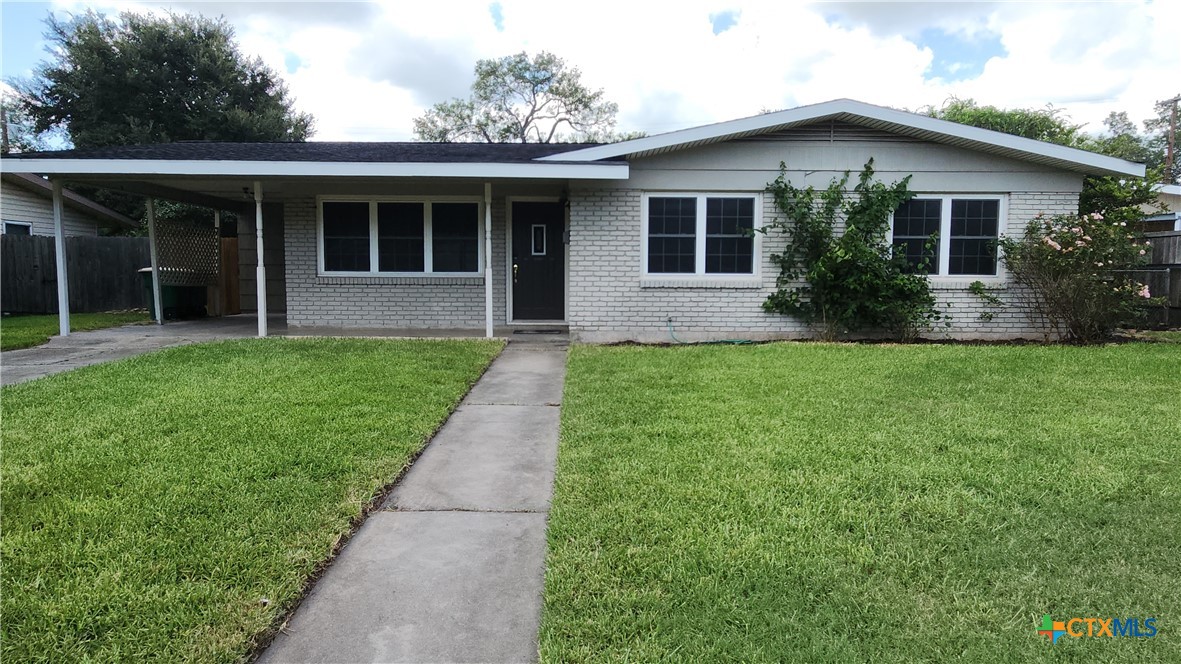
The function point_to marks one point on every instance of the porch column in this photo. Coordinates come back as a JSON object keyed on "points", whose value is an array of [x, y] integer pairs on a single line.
{"points": [[59, 245], [260, 272], [488, 259], [157, 298]]}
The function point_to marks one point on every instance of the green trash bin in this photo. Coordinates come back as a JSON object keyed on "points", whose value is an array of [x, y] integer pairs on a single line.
{"points": [[177, 301]]}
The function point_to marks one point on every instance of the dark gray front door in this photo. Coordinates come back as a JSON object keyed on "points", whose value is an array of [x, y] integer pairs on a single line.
{"points": [[539, 261]]}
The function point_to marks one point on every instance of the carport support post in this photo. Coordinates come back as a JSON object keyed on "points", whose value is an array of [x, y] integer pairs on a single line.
{"points": [[157, 298], [488, 259], [260, 272], [59, 245]]}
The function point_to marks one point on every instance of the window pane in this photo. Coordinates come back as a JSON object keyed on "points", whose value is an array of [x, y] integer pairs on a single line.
{"points": [[455, 243], [399, 237], [672, 235], [729, 239], [17, 229], [346, 237], [915, 223], [974, 225]]}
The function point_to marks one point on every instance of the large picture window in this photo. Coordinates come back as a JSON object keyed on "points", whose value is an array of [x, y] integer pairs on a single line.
{"points": [[699, 234], [400, 237], [949, 235]]}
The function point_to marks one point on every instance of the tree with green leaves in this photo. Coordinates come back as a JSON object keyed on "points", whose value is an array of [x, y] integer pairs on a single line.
{"points": [[522, 99], [140, 78]]}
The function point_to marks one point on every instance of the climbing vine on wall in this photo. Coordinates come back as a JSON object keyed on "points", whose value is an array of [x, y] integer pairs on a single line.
{"points": [[850, 281]]}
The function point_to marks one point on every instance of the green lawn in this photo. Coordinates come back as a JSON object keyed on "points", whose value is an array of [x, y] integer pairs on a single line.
{"points": [[26, 331], [846, 503], [151, 505]]}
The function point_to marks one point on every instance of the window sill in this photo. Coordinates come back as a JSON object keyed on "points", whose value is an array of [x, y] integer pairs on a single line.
{"points": [[743, 283], [964, 282], [390, 280]]}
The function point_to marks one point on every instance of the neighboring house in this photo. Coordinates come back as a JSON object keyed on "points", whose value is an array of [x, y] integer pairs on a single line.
{"points": [[1168, 195], [26, 208], [622, 241]]}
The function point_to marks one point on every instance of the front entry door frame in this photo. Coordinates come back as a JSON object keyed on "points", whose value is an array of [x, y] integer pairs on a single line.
{"points": [[508, 257]]}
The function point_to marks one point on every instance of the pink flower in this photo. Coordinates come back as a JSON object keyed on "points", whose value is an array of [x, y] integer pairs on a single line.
{"points": [[1079, 243], [1142, 252], [1144, 291], [1099, 264], [1087, 238], [1123, 223], [1096, 216], [1050, 241]]}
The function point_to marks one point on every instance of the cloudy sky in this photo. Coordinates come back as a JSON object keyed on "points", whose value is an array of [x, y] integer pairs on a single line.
{"points": [[364, 70]]}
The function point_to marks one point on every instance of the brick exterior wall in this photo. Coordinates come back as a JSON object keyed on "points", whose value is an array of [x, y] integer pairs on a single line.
{"points": [[610, 301], [384, 302]]}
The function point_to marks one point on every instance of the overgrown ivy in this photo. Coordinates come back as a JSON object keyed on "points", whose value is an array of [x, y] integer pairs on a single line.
{"points": [[849, 281]]}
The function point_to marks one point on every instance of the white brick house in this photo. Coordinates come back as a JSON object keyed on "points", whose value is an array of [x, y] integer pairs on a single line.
{"points": [[628, 241]]}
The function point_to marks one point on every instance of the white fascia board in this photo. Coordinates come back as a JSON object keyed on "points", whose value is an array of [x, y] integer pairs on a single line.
{"points": [[1171, 189], [803, 114], [153, 167]]}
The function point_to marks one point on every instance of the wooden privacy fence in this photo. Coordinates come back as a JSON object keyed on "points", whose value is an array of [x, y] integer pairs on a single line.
{"points": [[1163, 277], [102, 271]]}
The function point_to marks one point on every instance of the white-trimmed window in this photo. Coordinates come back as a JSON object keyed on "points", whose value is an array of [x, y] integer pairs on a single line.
{"points": [[700, 234], [397, 236], [953, 235], [18, 228]]}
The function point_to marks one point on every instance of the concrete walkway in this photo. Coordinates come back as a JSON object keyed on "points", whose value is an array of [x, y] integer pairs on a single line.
{"points": [[451, 569], [82, 349]]}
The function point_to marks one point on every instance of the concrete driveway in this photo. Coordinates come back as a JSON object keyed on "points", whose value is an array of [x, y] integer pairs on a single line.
{"points": [[82, 349]]}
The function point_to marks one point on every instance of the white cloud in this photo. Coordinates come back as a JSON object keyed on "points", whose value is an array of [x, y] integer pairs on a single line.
{"points": [[366, 70]]}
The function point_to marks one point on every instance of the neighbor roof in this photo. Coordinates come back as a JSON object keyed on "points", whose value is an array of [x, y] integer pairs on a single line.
{"points": [[42, 187], [866, 115]]}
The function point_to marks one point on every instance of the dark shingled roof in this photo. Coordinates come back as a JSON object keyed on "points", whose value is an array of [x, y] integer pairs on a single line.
{"points": [[321, 151]]}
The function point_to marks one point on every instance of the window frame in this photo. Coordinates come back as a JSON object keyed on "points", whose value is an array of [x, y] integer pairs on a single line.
{"points": [[943, 257], [699, 237], [5, 223], [427, 236]]}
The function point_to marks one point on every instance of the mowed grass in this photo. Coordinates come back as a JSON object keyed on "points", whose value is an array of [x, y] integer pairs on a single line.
{"points": [[173, 505], [27, 331], [853, 503]]}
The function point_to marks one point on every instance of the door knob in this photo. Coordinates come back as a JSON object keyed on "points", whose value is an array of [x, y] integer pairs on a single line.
{"points": [[515, 268]]}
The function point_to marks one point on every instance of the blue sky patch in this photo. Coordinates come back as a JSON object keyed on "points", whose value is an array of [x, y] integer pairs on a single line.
{"points": [[497, 12], [292, 62], [724, 20], [957, 57]]}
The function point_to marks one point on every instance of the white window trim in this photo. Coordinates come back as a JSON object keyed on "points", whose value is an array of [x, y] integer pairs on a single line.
{"points": [[699, 273], [4, 225], [944, 257], [427, 235]]}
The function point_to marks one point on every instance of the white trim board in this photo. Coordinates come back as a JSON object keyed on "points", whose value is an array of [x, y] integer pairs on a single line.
{"points": [[879, 117]]}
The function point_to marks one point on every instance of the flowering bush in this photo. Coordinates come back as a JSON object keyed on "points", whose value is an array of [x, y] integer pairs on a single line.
{"points": [[1076, 274]]}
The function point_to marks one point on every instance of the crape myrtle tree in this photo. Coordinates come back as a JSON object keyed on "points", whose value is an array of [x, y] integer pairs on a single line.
{"points": [[1078, 271]]}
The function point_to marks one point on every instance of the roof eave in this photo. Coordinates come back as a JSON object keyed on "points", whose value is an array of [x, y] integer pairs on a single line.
{"points": [[212, 168]]}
